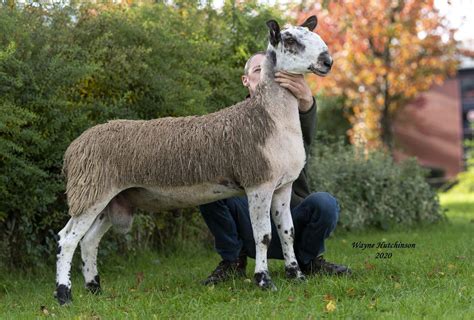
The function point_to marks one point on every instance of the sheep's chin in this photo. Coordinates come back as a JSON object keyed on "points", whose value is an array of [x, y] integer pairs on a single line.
{"points": [[318, 72]]}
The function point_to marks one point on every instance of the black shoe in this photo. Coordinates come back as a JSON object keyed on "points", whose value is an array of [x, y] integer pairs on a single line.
{"points": [[320, 266], [227, 270]]}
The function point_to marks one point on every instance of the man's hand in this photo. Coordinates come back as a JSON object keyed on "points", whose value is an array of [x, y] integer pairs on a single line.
{"points": [[298, 87]]}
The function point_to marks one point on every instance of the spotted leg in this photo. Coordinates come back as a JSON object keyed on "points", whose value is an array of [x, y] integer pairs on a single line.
{"points": [[69, 238], [282, 218], [259, 206], [89, 248]]}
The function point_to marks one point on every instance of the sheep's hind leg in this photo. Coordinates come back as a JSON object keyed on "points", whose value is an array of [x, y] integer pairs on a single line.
{"points": [[69, 238], [282, 218], [89, 248], [259, 207]]}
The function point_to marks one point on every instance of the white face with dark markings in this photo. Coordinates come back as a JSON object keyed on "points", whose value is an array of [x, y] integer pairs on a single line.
{"points": [[298, 49]]}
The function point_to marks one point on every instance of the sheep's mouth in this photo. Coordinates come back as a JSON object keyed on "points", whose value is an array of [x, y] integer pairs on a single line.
{"points": [[319, 72]]}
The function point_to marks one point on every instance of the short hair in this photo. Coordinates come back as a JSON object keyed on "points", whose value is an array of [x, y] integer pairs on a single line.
{"points": [[247, 64]]}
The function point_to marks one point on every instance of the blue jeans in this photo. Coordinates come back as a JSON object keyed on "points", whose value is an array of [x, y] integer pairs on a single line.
{"points": [[229, 221]]}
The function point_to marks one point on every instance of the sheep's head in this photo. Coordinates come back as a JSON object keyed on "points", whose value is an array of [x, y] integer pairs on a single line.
{"points": [[298, 49]]}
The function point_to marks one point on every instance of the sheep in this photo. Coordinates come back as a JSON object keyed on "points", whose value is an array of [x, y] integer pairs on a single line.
{"points": [[254, 147]]}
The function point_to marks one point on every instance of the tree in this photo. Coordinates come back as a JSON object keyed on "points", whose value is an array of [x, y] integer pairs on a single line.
{"points": [[385, 53]]}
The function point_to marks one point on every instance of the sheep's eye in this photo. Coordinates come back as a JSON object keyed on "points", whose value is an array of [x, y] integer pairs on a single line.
{"points": [[290, 41]]}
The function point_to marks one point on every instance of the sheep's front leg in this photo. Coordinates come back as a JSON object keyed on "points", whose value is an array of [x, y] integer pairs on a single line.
{"points": [[282, 218], [259, 206]]}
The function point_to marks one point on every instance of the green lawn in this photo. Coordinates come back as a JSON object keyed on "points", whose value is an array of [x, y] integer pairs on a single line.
{"points": [[434, 281]]}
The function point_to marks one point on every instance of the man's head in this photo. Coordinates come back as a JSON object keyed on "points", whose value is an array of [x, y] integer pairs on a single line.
{"points": [[252, 68]]}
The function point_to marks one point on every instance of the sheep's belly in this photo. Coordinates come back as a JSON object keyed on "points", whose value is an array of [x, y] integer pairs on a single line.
{"points": [[156, 199]]}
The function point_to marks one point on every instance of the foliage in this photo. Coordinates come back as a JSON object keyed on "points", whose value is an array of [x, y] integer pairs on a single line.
{"points": [[385, 53], [372, 190], [64, 70], [465, 180], [331, 119]]}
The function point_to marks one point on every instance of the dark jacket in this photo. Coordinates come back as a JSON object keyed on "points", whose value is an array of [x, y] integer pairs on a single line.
{"points": [[308, 127]]}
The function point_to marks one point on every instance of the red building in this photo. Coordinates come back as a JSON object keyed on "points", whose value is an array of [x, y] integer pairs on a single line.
{"points": [[433, 127]]}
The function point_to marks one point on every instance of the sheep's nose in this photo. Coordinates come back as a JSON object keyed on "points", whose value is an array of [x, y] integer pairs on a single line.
{"points": [[326, 59]]}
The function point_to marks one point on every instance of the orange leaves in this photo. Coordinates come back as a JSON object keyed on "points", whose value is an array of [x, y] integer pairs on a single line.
{"points": [[382, 49]]}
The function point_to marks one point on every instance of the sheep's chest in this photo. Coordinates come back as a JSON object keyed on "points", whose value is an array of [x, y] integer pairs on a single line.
{"points": [[284, 148]]}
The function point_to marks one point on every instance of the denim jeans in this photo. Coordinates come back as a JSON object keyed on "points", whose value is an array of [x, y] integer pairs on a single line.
{"points": [[229, 221]]}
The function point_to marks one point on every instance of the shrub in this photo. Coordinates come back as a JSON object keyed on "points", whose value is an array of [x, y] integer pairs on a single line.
{"points": [[332, 121], [64, 70], [372, 190]]}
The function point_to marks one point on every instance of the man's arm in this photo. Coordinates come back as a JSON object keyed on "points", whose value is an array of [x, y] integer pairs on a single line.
{"points": [[308, 122]]}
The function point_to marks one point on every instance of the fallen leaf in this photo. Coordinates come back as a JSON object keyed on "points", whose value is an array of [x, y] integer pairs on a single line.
{"points": [[248, 281], [397, 285], [328, 297], [139, 278], [291, 299], [350, 292], [460, 257], [306, 294], [369, 266], [451, 266], [330, 306]]}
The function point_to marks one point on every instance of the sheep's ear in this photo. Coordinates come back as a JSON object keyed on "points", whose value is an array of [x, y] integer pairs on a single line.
{"points": [[310, 23], [274, 36]]}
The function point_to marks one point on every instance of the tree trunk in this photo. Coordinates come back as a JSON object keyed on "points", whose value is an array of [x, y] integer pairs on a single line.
{"points": [[387, 134], [386, 119]]}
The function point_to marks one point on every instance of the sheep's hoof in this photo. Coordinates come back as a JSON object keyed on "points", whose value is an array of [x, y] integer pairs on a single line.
{"points": [[294, 272], [63, 294], [263, 280], [94, 286]]}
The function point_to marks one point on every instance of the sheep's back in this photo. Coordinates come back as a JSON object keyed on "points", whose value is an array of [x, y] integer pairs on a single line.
{"points": [[168, 151]]}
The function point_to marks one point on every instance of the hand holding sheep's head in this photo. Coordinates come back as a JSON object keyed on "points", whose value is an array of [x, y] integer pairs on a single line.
{"points": [[298, 49]]}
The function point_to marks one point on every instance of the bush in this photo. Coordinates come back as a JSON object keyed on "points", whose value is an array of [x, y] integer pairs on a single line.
{"points": [[372, 190], [64, 70], [332, 121]]}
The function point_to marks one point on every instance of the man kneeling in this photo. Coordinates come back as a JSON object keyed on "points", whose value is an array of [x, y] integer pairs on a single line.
{"points": [[314, 215]]}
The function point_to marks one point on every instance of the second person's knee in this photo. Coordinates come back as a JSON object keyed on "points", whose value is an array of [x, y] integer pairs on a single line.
{"points": [[327, 207]]}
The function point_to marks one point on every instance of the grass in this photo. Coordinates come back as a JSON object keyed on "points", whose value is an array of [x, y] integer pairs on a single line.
{"points": [[432, 281]]}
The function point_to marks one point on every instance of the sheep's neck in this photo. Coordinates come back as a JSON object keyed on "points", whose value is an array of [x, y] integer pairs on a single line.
{"points": [[267, 74], [267, 77]]}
